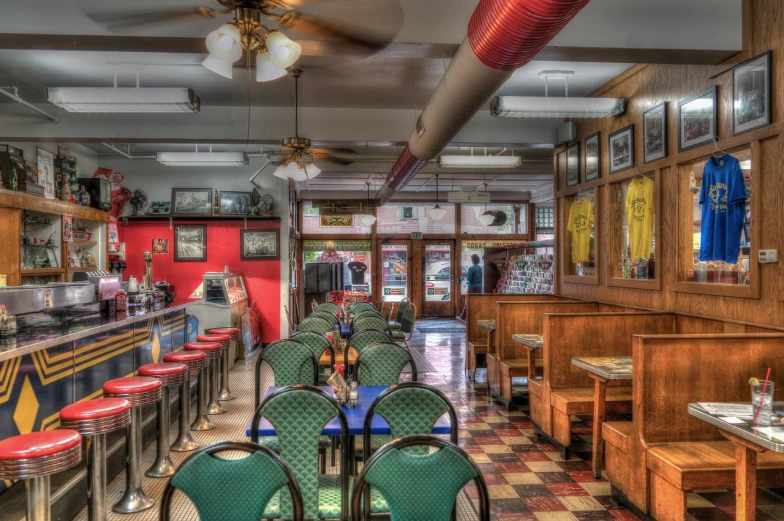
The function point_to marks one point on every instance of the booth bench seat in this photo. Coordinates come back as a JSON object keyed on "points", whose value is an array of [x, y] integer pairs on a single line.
{"points": [[566, 403]]}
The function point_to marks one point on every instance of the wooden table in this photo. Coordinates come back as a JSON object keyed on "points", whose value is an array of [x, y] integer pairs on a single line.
{"points": [[749, 441], [532, 343], [602, 370]]}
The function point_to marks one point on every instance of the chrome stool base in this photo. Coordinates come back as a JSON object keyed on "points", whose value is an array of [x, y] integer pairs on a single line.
{"points": [[225, 394], [184, 442], [214, 407], [163, 466], [134, 498], [202, 422]]}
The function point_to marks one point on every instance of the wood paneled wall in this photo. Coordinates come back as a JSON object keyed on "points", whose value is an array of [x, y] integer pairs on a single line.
{"points": [[645, 87]]}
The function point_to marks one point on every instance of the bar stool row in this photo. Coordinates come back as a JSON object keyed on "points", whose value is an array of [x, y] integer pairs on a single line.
{"points": [[34, 457]]}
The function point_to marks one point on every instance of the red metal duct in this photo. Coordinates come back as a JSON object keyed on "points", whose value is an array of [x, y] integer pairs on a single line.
{"points": [[503, 35]]}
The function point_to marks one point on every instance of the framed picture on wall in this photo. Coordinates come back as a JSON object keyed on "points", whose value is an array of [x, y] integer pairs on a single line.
{"points": [[235, 203], [46, 171], [654, 133], [751, 105], [259, 245], [190, 242], [593, 156], [191, 201], [697, 118], [621, 148], [573, 164]]}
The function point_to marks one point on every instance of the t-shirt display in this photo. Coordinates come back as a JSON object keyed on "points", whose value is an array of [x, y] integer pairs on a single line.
{"points": [[580, 223], [358, 270], [722, 197], [640, 216]]}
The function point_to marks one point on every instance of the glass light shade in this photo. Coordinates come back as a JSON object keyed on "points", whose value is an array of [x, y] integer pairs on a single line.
{"points": [[281, 172], [225, 43], [296, 172], [312, 170], [283, 51], [437, 213], [265, 71], [367, 220], [487, 218], [218, 66]]}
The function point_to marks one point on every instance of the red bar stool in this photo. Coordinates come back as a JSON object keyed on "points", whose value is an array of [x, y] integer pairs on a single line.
{"points": [[34, 457], [139, 390], [214, 407], [212, 351], [234, 333], [168, 374], [196, 361], [94, 418]]}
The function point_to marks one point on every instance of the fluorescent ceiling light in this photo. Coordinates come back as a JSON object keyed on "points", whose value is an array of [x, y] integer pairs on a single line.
{"points": [[549, 107], [123, 99], [202, 158], [479, 161]]}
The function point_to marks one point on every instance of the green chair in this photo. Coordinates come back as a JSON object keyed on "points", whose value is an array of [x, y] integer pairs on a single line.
{"points": [[375, 322], [362, 306], [316, 325], [318, 344], [330, 307], [326, 316], [292, 362], [418, 486], [406, 325], [361, 339], [381, 364], [244, 486], [395, 324], [299, 415], [367, 313]]}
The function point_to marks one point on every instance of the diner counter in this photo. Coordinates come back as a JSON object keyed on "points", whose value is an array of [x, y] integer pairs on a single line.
{"points": [[45, 330]]}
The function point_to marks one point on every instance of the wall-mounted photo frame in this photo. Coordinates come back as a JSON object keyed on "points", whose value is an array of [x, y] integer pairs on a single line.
{"points": [[654, 133], [697, 120], [620, 146], [192, 201], [235, 203], [593, 157], [159, 208], [259, 245], [190, 242], [160, 246], [751, 94], [573, 164]]}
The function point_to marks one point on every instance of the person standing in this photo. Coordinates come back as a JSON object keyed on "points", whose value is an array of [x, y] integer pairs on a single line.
{"points": [[473, 281]]}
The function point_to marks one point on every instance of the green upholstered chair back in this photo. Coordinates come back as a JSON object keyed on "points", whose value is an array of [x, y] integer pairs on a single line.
{"points": [[381, 364], [299, 414], [316, 325], [326, 316], [292, 362], [409, 317], [246, 485], [317, 343], [367, 313], [374, 322], [329, 307], [401, 308], [361, 339], [420, 486], [362, 306]]}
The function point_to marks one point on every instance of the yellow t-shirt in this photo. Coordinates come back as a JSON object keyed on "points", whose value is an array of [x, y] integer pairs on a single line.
{"points": [[580, 223], [640, 215]]}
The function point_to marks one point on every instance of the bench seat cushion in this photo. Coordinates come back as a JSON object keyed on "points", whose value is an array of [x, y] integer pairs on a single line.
{"points": [[580, 401], [701, 465], [517, 367], [618, 434], [477, 348]]}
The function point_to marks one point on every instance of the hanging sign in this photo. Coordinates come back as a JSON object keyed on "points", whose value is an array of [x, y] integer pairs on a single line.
{"points": [[338, 245]]}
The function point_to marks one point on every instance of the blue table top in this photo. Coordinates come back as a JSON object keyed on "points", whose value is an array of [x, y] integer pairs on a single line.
{"points": [[345, 329], [354, 415]]}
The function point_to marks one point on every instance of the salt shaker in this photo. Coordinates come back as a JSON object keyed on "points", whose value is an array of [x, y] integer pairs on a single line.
{"points": [[353, 394]]}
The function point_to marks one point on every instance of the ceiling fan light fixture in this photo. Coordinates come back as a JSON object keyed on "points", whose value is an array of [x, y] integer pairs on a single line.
{"points": [[487, 218], [283, 51], [225, 43], [312, 170], [218, 66], [265, 70]]}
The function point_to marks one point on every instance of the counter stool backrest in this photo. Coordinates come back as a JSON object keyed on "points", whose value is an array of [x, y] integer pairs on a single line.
{"points": [[381, 364], [232, 490]]}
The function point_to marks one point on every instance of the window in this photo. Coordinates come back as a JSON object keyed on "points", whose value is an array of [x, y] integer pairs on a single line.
{"points": [[414, 217], [355, 255], [545, 217], [522, 221], [316, 224], [470, 219]]}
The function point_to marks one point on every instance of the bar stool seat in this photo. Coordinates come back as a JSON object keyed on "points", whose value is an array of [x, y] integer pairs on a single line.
{"points": [[193, 359], [167, 373], [211, 337], [225, 331], [210, 349], [139, 390]]}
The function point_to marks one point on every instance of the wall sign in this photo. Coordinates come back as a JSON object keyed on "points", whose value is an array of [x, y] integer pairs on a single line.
{"points": [[342, 221], [339, 245]]}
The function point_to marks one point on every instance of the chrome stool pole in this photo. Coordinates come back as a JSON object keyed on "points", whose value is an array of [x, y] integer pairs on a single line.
{"points": [[214, 407], [211, 350], [234, 335], [195, 360]]}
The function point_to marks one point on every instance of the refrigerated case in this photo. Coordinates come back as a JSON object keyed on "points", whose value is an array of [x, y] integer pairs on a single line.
{"points": [[394, 272], [223, 304]]}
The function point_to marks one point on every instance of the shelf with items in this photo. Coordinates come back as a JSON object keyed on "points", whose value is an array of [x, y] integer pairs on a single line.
{"points": [[528, 273], [39, 243], [87, 251]]}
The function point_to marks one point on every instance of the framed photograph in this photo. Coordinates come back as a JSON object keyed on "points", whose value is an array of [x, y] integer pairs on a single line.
{"points": [[654, 133], [259, 245], [621, 147], [593, 156], [160, 246], [235, 203], [751, 104], [190, 242], [159, 208], [697, 117], [46, 171], [191, 201], [573, 164]]}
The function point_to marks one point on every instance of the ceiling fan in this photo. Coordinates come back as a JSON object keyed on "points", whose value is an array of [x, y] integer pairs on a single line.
{"points": [[296, 148], [368, 24]]}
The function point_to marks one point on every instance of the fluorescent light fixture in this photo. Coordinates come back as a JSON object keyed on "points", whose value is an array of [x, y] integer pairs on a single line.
{"points": [[437, 213], [284, 52], [202, 158], [549, 107], [479, 161], [123, 99], [265, 71], [745, 165], [487, 218]]}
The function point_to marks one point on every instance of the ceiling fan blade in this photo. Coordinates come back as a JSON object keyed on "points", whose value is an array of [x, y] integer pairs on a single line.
{"points": [[328, 150], [329, 157], [152, 17]]}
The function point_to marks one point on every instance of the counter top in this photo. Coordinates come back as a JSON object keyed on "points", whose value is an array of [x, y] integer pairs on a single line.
{"points": [[75, 324]]}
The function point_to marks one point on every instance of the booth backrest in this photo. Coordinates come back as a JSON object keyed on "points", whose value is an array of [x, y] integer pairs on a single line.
{"points": [[694, 325], [593, 334], [480, 306], [671, 371], [615, 308], [526, 318]]}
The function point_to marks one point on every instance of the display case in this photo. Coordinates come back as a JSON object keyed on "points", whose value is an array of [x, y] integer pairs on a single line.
{"points": [[579, 254], [40, 253], [223, 304], [88, 248]]}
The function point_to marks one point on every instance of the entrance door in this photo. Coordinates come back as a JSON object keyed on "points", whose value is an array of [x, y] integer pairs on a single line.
{"points": [[394, 270], [438, 276]]}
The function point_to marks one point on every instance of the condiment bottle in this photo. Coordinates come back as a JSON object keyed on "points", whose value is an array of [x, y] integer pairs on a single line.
{"points": [[120, 301]]}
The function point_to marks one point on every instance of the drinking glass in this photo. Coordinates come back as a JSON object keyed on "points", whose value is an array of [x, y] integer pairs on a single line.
{"points": [[763, 402]]}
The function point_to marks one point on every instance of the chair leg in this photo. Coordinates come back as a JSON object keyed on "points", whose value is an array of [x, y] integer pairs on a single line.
{"points": [[332, 452], [323, 461]]}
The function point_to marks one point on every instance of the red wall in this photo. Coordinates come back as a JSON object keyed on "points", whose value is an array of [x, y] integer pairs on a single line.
{"points": [[262, 278]]}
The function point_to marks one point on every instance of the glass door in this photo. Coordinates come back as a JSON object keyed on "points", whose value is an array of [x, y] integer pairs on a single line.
{"points": [[394, 271], [438, 278]]}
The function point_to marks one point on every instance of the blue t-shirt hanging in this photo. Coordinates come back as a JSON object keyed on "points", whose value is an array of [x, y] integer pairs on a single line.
{"points": [[722, 196]]}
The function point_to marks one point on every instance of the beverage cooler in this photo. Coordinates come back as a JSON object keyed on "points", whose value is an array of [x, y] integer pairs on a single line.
{"points": [[223, 304]]}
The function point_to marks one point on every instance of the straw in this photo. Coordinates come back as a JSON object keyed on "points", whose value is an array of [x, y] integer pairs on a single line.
{"points": [[762, 397]]}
